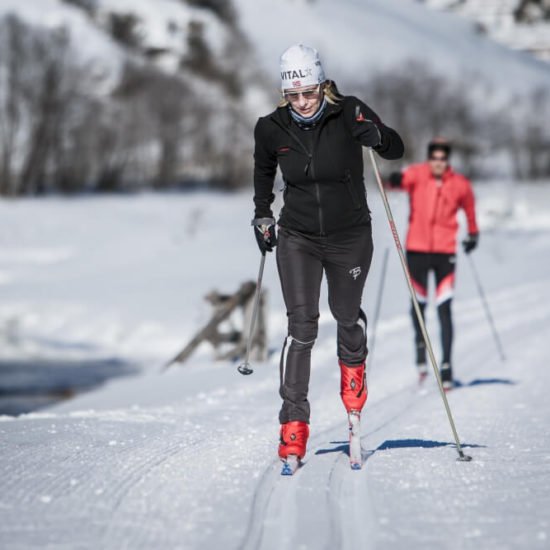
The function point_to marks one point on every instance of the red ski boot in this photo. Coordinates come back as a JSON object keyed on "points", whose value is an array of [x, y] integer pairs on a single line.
{"points": [[353, 390], [293, 439], [353, 387]]}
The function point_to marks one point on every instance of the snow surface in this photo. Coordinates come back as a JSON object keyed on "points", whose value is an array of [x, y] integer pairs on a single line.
{"points": [[187, 459]]}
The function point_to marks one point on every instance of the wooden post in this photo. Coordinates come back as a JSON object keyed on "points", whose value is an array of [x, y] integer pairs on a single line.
{"points": [[224, 306]]}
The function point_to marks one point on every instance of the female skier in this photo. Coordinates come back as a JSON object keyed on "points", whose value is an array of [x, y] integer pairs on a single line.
{"points": [[315, 136]]}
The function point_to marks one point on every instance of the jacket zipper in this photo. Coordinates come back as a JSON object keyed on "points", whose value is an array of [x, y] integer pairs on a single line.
{"points": [[310, 164], [439, 184]]}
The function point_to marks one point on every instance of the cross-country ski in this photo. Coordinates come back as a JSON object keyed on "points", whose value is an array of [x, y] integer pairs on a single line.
{"points": [[290, 465], [355, 457]]}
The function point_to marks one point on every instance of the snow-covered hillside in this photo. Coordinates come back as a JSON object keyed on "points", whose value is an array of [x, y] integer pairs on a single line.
{"points": [[135, 83], [166, 93], [519, 24], [161, 26], [186, 459], [355, 36]]}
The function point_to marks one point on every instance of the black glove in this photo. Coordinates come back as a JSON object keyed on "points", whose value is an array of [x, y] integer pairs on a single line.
{"points": [[470, 243], [266, 236], [366, 130], [395, 179]]}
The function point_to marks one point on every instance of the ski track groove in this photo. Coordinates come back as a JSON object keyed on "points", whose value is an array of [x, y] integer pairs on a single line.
{"points": [[260, 500], [334, 491], [48, 484], [274, 498], [137, 475]]}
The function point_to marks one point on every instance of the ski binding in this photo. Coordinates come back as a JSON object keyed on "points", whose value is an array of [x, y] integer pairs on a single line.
{"points": [[422, 373]]}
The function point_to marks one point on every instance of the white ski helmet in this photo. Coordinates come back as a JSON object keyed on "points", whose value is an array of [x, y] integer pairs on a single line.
{"points": [[301, 66]]}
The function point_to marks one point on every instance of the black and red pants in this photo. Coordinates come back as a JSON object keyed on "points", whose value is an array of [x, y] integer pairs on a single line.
{"points": [[345, 258], [443, 265]]}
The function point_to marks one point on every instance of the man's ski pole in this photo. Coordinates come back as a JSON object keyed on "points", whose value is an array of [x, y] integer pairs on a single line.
{"points": [[461, 456], [244, 367], [486, 307], [378, 307]]}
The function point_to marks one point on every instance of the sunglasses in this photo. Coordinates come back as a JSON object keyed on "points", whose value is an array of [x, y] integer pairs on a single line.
{"points": [[439, 159], [312, 93]]}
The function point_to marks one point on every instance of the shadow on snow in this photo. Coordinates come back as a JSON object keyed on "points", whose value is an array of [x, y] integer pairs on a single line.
{"points": [[483, 382], [343, 446]]}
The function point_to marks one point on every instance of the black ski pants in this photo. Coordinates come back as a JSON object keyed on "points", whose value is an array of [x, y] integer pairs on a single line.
{"points": [[443, 266], [345, 258]]}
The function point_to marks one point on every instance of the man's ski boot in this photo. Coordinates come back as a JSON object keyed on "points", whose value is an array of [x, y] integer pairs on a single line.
{"points": [[353, 390], [422, 369], [447, 376], [292, 445]]}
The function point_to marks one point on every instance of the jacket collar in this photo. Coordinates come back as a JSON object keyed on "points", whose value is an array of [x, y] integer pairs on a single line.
{"points": [[448, 174]]}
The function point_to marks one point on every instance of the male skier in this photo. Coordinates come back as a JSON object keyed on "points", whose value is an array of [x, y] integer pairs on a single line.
{"points": [[436, 193]]}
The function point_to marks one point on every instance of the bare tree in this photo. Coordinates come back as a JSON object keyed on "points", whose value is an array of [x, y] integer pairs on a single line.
{"points": [[422, 104], [58, 132], [43, 89], [11, 59]]}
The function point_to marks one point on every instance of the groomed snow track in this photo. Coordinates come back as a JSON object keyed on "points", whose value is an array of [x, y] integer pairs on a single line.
{"points": [[326, 505], [186, 460]]}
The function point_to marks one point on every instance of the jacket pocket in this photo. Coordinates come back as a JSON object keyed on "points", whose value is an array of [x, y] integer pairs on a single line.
{"points": [[352, 192]]}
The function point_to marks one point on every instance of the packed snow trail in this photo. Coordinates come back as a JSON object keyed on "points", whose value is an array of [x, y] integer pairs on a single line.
{"points": [[182, 476], [187, 459], [389, 504]]}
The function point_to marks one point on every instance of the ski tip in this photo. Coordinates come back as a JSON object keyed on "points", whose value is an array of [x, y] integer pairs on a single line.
{"points": [[290, 465], [286, 470]]}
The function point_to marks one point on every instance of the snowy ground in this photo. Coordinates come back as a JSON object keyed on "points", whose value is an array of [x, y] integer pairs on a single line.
{"points": [[186, 459]]}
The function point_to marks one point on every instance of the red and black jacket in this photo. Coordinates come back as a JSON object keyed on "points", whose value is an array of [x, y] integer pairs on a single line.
{"points": [[324, 189]]}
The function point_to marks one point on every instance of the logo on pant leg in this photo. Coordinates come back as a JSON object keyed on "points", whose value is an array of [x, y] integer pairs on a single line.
{"points": [[355, 272]]}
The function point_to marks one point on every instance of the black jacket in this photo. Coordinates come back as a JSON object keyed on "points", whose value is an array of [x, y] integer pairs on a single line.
{"points": [[324, 190]]}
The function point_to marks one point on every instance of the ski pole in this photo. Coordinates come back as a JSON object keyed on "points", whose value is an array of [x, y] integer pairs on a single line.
{"points": [[487, 310], [244, 367], [461, 456], [378, 307]]}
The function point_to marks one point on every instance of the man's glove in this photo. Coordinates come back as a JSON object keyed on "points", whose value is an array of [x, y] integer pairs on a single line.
{"points": [[266, 236], [470, 243], [395, 179]]}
